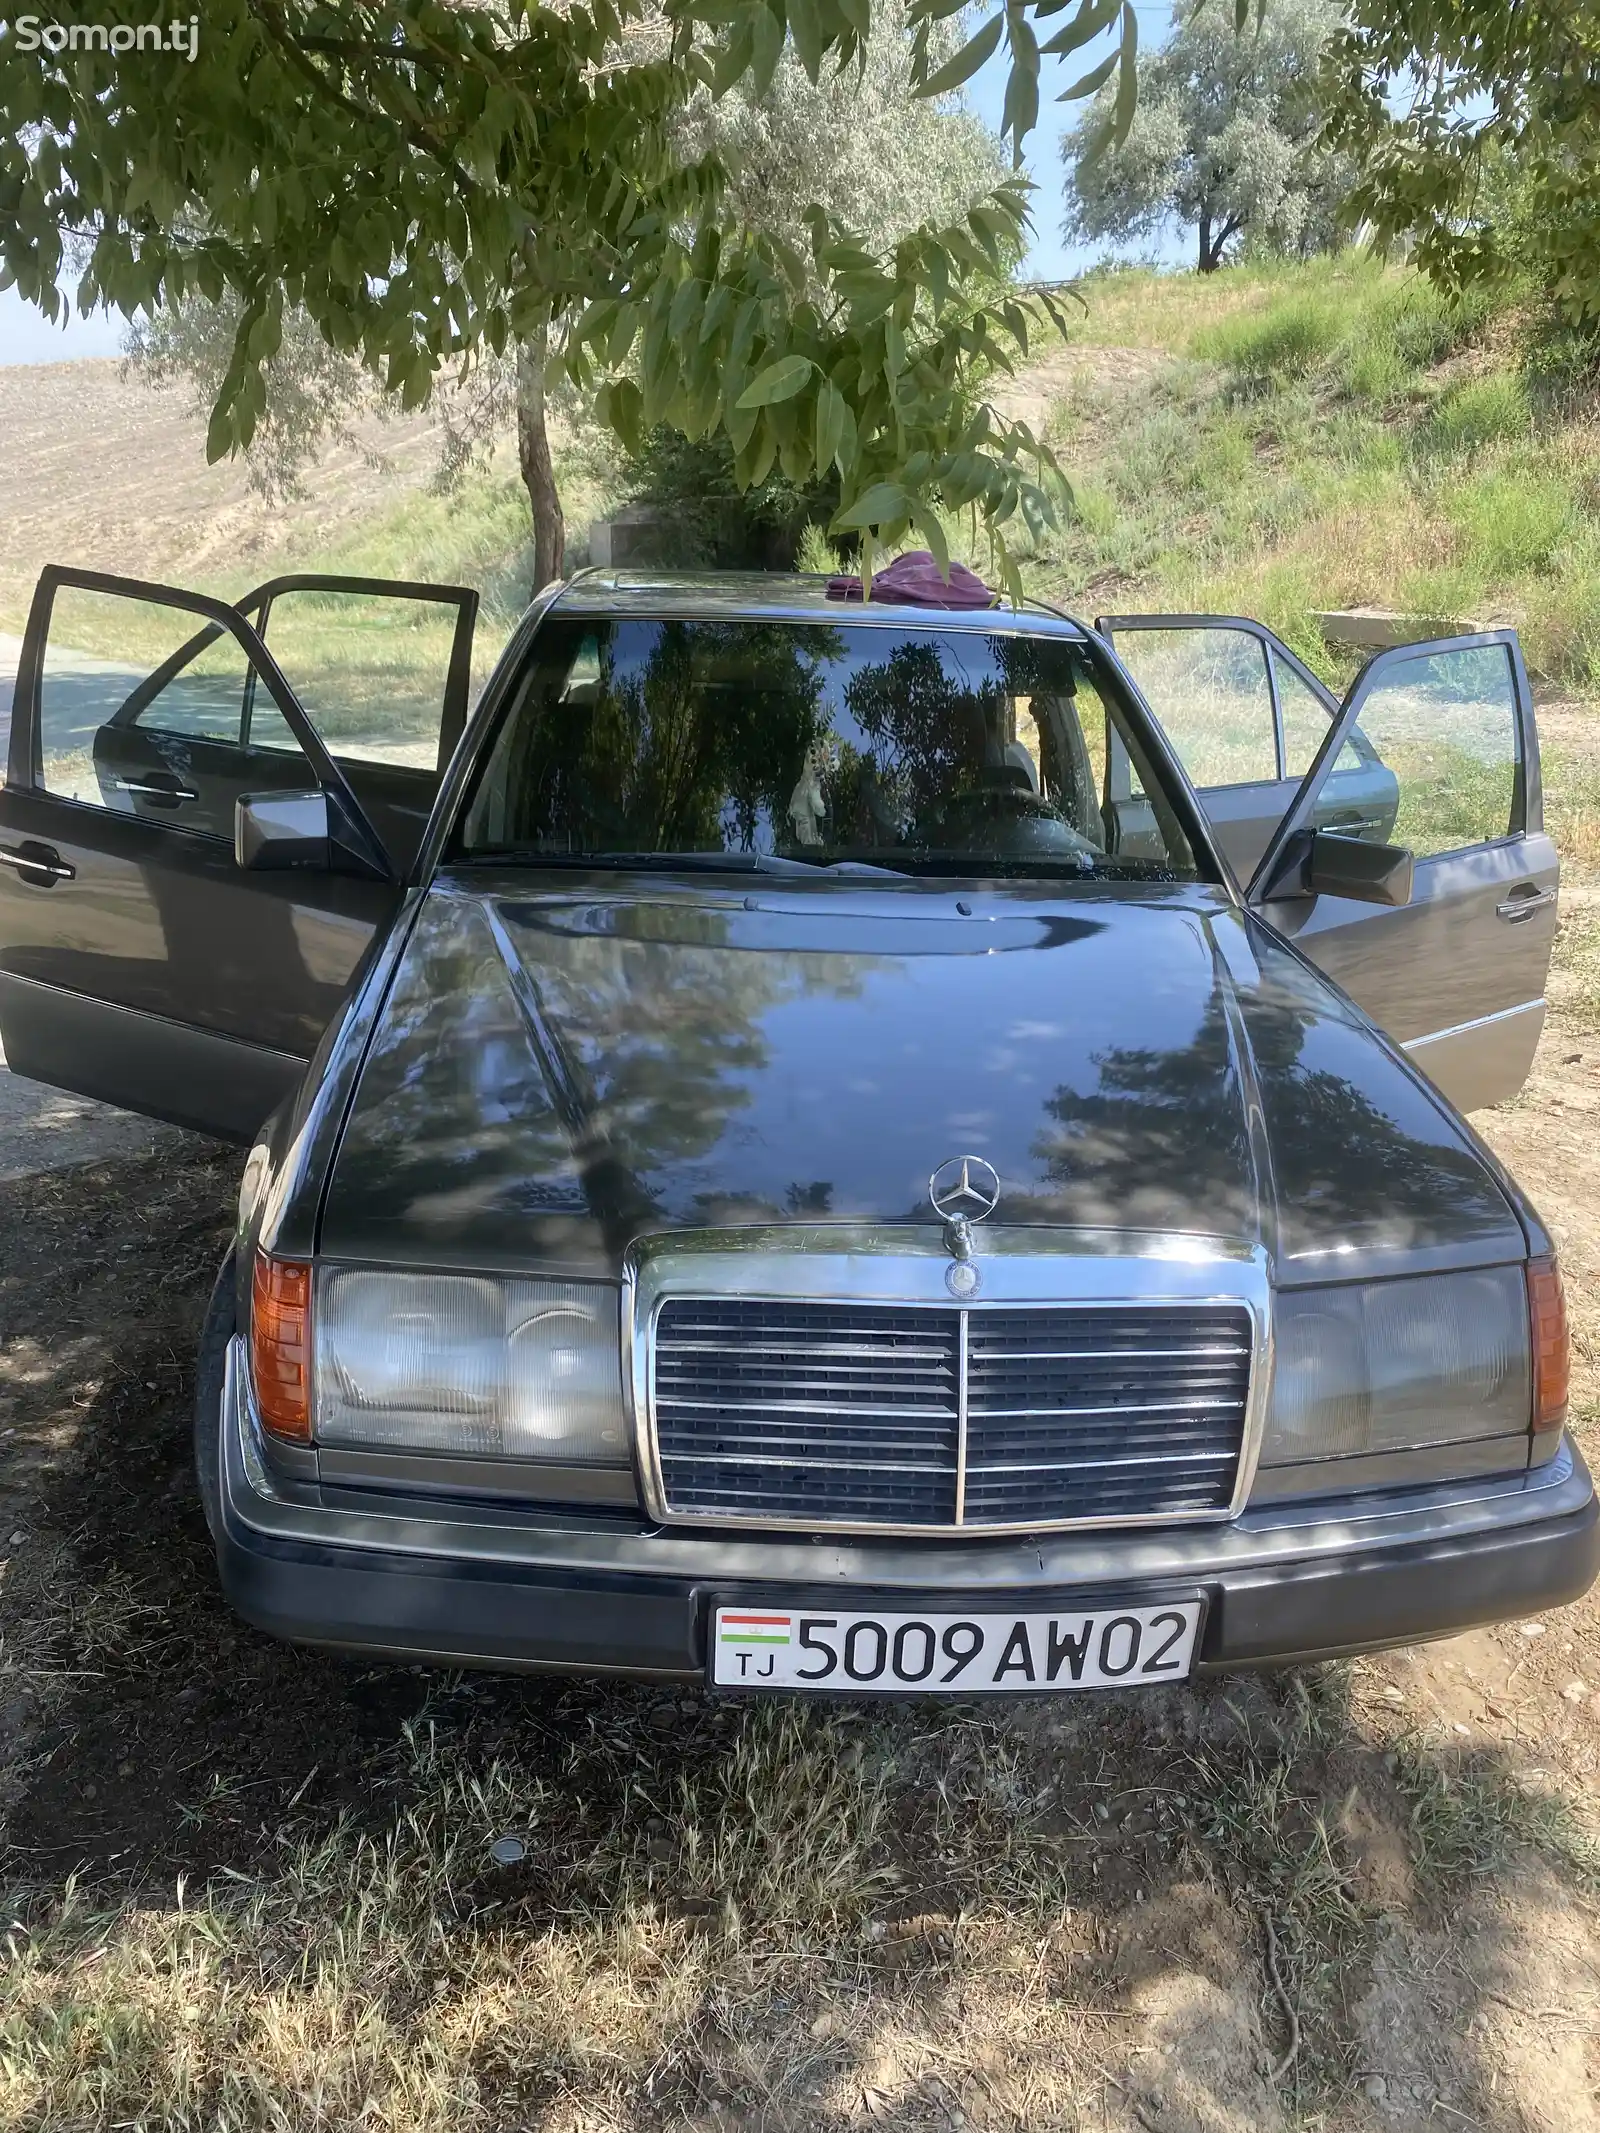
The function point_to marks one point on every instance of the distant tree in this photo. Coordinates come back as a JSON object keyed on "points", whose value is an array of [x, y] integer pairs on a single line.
{"points": [[1225, 137], [314, 395], [860, 143]]}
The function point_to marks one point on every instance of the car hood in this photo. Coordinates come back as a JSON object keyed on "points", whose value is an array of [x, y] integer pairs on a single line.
{"points": [[559, 1071]]}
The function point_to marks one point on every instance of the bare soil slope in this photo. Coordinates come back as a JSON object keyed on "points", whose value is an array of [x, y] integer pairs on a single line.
{"points": [[99, 470]]}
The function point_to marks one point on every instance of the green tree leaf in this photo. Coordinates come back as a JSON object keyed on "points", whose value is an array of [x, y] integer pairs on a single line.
{"points": [[1127, 76], [884, 504], [966, 62], [779, 381]]}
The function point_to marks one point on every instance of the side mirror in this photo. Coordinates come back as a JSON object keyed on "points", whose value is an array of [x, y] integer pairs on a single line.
{"points": [[275, 830], [1326, 864]]}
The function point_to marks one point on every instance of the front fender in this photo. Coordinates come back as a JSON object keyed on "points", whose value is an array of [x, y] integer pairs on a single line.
{"points": [[286, 1172]]}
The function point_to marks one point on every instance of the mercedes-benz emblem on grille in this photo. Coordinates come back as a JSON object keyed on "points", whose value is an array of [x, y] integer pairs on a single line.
{"points": [[963, 1191]]}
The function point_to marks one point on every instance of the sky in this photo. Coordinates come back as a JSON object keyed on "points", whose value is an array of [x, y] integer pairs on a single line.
{"points": [[25, 337], [1051, 258]]}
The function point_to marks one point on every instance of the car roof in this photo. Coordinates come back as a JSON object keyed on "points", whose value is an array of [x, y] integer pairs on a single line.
{"points": [[776, 596]]}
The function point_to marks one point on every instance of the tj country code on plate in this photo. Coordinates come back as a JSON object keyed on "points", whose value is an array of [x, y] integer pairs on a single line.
{"points": [[959, 1655]]}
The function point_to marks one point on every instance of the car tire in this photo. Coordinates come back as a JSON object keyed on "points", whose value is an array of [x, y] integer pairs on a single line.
{"points": [[222, 1318]]}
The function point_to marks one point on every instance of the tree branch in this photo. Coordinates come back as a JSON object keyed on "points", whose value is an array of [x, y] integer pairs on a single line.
{"points": [[417, 137]]}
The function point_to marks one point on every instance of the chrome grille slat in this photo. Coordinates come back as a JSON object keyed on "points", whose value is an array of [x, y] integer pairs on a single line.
{"points": [[857, 1350], [802, 1407], [839, 1466], [1100, 1466], [918, 1417], [1101, 1355], [1131, 1407]]}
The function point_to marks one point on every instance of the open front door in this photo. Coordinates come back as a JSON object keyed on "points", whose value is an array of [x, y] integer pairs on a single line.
{"points": [[139, 961], [1456, 974]]}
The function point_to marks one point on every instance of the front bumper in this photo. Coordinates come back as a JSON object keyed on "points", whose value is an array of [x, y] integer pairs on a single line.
{"points": [[467, 1584]]}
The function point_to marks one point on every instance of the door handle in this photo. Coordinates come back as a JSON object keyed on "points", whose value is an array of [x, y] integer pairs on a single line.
{"points": [[43, 859], [146, 790], [1515, 909]]}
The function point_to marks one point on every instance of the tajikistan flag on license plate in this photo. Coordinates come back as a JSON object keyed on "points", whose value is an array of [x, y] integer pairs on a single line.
{"points": [[753, 1631]]}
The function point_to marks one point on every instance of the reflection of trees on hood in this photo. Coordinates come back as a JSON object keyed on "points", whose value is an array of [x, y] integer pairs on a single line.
{"points": [[572, 1058], [1340, 1164], [1155, 1115], [664, 1040]]}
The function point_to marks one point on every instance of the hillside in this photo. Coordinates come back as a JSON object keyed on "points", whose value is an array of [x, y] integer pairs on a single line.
{"points": [[102, 471], [1293, 440]]}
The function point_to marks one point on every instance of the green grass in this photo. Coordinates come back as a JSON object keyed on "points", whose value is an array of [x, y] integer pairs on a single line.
{"points": [[1479, 412], [1471, 1816], [1284, 341], [1327, 436]]}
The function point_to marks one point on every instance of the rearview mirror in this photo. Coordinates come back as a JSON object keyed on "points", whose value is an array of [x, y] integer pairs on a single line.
{"points": [[1326, 864]]}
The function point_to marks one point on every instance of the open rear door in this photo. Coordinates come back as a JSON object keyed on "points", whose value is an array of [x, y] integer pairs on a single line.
{"points": [[139, 961], [383, 668], [1457, 973], [1246, 718]]}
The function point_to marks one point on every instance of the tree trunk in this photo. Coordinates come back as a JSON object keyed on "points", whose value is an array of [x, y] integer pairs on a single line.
{"points": [[1208, 265], [538, 474]]}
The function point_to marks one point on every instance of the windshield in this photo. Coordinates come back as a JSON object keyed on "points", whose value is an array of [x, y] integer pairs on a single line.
{"points": [[780, 747]]}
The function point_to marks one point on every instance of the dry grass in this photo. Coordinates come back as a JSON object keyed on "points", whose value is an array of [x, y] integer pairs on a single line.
{"points": [[801, 1917]]}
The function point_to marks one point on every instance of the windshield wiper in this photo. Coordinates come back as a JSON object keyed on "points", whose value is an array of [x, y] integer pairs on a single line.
{"points": [[689, 862]]}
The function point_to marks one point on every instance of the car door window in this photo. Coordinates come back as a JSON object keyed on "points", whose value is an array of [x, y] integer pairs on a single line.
{"points": [[373, 670], [141, 712], [1210, 690], [1306, 718], [1444, 726], [382, 668]]}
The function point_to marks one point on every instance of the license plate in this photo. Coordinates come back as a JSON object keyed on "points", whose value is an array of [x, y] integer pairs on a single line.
{"points": [[958, 1655]]}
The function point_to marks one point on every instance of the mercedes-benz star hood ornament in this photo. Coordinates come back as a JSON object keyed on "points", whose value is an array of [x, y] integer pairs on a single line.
{"points": [[963, 1191]]}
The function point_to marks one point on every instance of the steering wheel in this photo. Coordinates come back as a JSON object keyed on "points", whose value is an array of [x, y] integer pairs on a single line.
{"points": [[1009, 821]]}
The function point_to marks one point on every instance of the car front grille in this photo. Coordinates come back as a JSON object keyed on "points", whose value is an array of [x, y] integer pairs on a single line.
{"points": [[818, 1414]]}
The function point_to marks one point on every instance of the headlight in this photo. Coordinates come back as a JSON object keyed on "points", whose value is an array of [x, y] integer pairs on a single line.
{"points": [[469, 1364], [1391, 1366]]}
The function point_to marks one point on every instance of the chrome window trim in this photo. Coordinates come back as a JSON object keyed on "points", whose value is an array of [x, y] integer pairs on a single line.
{"points": [[906, 1266]]}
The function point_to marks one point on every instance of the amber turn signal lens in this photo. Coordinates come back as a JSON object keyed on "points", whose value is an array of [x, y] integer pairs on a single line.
{"points": [[280, 1345], [1552, 1358]]}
